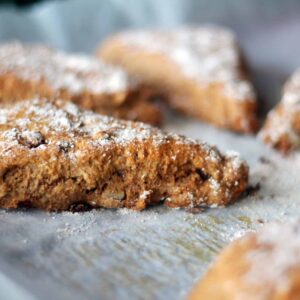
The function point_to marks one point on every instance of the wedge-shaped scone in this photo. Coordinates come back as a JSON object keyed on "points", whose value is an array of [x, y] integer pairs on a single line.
{"points": [[27, 71], [53, 155], [260, 266], [282, 127], [199, 71]]}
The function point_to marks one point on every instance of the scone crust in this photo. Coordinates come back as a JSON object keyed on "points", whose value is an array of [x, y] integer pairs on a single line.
{"points": [[54, 155]]}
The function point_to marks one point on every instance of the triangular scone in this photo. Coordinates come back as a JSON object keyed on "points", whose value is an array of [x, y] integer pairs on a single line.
{"points": [[282, 127], [28, 71], [259, 266], [53, 155], [199, 70]]}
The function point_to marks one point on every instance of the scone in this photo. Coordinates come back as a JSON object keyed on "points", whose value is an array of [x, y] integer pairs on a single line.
{"points": [[199, 71], [54, 155], [28, 71], [260, 266], [282, 127]]}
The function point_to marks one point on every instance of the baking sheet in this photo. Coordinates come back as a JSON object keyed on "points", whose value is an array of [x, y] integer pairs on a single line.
{"points": [[158, 253]]}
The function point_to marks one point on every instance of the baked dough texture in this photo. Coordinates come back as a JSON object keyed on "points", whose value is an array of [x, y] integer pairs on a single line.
{"points": [[28, 71], [282, 127], [199, 71], [260, 266], [54, 155]]}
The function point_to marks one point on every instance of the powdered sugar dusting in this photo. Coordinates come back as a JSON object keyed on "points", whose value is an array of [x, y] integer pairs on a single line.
{"points": [[215, 185], [30, 120], [65, 117], [291, 93], [281, 124], [278, 251], [145, 194], [235, 158], [75, 73], [207, 54]]}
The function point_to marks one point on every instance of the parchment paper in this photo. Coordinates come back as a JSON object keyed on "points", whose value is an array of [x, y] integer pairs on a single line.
{"points": [[158, 253]]}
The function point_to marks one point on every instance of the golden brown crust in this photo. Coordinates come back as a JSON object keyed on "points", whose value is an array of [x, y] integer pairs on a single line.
{"points": [[227, 104], [259, 266], [30, 71], [53, 155]]}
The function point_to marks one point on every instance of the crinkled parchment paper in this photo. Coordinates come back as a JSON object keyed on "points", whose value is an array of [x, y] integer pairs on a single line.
{"points": [[158, 253]]}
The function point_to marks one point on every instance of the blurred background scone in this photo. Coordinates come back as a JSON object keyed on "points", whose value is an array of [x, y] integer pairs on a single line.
{"points": [[198, 70], [281, 129], [260, 266], [27, 71]]}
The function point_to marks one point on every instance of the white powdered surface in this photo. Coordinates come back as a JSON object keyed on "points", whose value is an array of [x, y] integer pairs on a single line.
{"points": [[207, 54], [291, 92], [277, 255], [74, 73], [33, 118]]}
